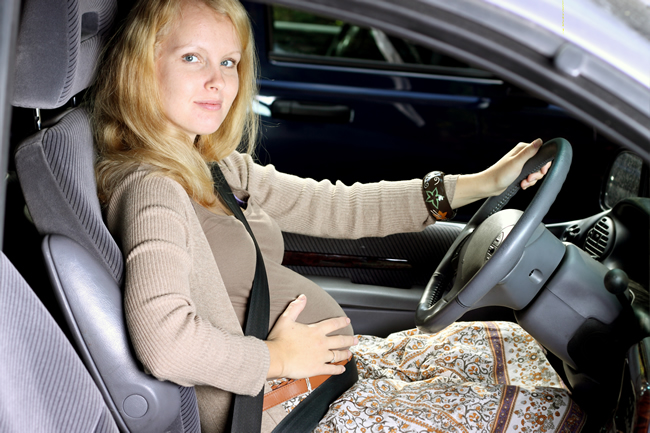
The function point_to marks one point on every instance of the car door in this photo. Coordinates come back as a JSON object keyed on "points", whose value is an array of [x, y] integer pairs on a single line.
{"points": [[352, 103]]}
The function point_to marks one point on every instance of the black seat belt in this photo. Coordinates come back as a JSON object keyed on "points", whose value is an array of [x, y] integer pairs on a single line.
{"points": [[247, 410]]}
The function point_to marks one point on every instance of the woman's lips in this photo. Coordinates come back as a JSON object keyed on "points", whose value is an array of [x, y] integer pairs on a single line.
{"points": [[209, 105]]}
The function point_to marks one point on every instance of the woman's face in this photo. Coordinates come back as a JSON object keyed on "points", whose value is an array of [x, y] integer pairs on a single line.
{"points": [[196, 69]]}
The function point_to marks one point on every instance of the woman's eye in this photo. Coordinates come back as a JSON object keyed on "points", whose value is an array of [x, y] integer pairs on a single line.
{"points": [[190, 58], [229, 63]]}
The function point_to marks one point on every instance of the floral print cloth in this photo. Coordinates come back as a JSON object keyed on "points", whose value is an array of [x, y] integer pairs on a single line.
{"points": [[470, 377]]}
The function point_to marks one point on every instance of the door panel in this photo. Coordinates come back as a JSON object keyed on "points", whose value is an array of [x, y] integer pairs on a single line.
{"points": [[400, 261], [377, 281]]}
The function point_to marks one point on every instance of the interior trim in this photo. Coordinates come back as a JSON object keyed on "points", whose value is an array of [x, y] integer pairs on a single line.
{"points": [[324, 260], [351, 294]]}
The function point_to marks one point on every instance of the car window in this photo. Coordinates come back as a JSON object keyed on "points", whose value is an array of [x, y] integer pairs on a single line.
{"points": [[304, 36]]}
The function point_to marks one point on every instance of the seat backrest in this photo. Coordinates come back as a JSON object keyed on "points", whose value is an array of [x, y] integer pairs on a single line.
{"points": [[55, 168], [45, 387], [56, 173]]}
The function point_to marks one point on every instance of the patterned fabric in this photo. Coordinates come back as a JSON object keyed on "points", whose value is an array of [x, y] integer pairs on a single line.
{"points": [[470, 377]]}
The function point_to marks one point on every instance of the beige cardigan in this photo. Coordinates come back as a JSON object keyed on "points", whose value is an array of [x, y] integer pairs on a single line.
{"points": [[182, 325]]}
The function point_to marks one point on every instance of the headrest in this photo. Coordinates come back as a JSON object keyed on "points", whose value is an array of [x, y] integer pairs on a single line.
{"points": [[59, 44]]}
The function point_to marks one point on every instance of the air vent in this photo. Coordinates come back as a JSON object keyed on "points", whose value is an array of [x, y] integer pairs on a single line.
{"points": [[600, 238]]}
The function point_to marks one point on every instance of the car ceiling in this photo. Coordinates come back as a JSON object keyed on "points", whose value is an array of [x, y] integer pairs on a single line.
{"points": [[636, 13]]}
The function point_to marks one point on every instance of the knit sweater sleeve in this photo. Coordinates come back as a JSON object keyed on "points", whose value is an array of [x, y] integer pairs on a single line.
{"points": [[323, 209], [148, 215]]}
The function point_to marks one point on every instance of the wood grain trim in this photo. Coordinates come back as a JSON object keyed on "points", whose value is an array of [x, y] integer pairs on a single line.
{"points": [[323, 260]]}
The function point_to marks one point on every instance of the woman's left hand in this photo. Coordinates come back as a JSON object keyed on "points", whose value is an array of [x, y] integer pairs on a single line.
{"points": [[494, 180], [297, 351]]}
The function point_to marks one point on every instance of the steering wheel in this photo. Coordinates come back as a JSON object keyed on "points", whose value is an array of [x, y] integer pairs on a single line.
{"points": [[489, 251]]}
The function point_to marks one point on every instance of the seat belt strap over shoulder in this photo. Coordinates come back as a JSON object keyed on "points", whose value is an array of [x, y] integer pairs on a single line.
{"points": [[246, 410]]}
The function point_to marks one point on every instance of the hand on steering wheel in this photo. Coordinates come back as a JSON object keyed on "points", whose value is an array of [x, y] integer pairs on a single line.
{"points": [[492, 244]]}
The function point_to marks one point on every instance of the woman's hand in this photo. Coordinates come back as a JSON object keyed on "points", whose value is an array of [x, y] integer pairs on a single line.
{"points": [[506, 170], [298, 351], [494, 180]]}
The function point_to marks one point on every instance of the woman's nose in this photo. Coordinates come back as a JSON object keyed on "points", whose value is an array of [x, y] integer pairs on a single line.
{"points": [[215, 80]]}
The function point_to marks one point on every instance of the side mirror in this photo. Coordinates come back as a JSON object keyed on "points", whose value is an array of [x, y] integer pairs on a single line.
{"points": [[624, 180]]}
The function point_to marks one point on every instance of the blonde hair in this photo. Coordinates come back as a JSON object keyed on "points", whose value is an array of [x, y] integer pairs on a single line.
{"points": [[130, 125]]}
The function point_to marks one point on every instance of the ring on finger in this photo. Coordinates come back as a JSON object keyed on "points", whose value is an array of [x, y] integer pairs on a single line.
{"points": [[333, 356]]}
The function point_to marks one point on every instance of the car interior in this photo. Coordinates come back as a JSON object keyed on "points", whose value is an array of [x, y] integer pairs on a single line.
{"points": [[61, 271]]}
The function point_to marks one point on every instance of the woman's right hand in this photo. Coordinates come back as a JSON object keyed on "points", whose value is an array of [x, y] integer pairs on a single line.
{"points": [[298, 351]]}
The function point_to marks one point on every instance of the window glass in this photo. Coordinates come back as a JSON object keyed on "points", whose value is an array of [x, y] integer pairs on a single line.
{"points": [[299, 33]]}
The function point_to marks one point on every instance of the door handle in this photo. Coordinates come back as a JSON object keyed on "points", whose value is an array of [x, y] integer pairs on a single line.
{"points": [[311, 111]]}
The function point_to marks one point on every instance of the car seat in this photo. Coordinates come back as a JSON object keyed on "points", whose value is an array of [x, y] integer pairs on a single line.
{"points": [[59, 43], [39, 367]]}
